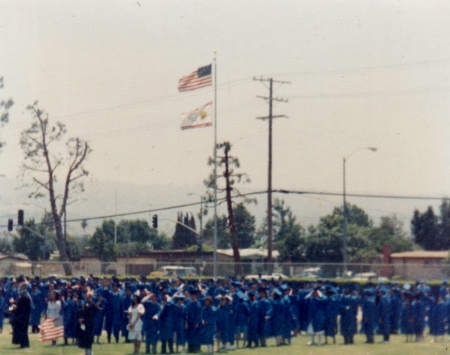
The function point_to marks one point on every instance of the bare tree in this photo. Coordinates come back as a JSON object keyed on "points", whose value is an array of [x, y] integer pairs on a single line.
{"points": [[45, 165], [227, 163]]}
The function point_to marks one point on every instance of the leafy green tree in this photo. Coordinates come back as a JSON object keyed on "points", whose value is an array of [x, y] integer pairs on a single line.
{"points": [[161, 242], [444, 225], [324, 242], [74, 248], [390, 232], [355, 215], [183, 237], [245, 227], [5, 105], [6, 247], [425, 229], [31, 242], [102, 243], [223, 234], [290, 235]]}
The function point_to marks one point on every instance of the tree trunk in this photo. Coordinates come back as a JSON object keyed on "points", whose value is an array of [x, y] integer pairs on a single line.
{"points": [[61, 243], [233, 231]]}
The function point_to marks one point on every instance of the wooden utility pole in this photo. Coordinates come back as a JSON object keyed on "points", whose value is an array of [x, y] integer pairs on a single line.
{"points": [[270, 100]]}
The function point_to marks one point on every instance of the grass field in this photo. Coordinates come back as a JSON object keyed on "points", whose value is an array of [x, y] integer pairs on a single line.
{"points": [[299, 346]]}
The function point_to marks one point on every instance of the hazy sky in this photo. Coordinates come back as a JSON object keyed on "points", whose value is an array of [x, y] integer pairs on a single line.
{"points": [[363, 73]]}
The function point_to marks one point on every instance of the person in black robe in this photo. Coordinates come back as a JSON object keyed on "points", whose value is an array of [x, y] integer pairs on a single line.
{"points": [[85, 329], [21, 310]]}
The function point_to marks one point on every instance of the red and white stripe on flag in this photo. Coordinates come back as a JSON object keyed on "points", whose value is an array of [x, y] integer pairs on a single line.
{"points": [[52, 329], [197, 79]]}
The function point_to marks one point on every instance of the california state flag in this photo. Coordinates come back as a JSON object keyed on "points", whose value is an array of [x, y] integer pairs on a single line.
{"points": [[200, 117]]}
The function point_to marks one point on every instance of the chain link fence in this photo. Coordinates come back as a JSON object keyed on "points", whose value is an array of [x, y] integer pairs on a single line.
{"points": [[400, 271]]}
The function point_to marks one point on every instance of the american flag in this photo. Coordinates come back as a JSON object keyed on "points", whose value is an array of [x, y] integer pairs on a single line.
{"points": [[52, 329], [197, 79]]}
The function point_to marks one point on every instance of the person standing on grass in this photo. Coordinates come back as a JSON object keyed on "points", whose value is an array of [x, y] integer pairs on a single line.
{"points": [[135, 312], [407, 317], [207, 329], [126, 304], [67, 308], [114, 312], [166, 323], [180, 322], [150, 322], [86, 319], [223, 322], [252, 325], [21, 310], [316, 316], [265, 313], [384, 311], [2, 309], [369, 315], [53, 310], [38, 300], [100, 303], [331, 313], [348, 310], [438, 318], [193, 320]]}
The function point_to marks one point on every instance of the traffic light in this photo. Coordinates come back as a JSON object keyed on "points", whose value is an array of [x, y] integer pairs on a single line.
{"points": [[155, 221], [10, 225], [20, 218]]}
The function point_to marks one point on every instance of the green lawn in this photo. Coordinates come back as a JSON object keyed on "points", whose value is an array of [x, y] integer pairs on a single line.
{"points": [[299, 346]]}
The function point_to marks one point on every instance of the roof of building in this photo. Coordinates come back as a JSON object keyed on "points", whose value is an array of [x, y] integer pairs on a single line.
{"points": [[249, 252], [421, 254], [19, 257]]}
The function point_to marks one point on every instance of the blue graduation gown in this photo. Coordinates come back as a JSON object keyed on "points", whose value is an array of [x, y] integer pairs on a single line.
{"points": [[265, 313], [348, 309], [36, 312], [150, 326], [384, 311], [369, 315], [207, 329], [331, 314]]}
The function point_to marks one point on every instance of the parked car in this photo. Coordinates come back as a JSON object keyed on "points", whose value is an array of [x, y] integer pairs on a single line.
{"points": [[312, 272], [275, 275], [175, 271], [364, 276]]}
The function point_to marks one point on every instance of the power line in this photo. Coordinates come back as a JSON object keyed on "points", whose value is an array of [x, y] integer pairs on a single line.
{"points": [[279, 191]]}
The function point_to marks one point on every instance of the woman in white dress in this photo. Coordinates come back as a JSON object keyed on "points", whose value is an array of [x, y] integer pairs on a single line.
{"points": [[53, 310], [135, 313]]}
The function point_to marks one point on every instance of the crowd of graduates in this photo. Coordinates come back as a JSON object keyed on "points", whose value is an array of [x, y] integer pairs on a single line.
{"points": [[225, 314]]}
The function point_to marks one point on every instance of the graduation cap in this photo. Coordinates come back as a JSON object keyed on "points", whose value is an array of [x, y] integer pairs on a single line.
{"points": [[369, 291], [240, 294], [278, 292], [384, 289]]}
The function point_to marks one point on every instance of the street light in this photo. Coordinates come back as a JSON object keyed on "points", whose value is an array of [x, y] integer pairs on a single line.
{"points": [[344, 209]]}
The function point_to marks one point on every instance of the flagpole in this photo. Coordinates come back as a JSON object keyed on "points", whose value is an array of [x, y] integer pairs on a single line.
{"points": [[215, 165]]}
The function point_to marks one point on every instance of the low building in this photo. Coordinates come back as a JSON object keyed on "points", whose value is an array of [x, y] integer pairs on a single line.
{"points": [[147, 262], [254, 260], [14, 264], [415, 265]]}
